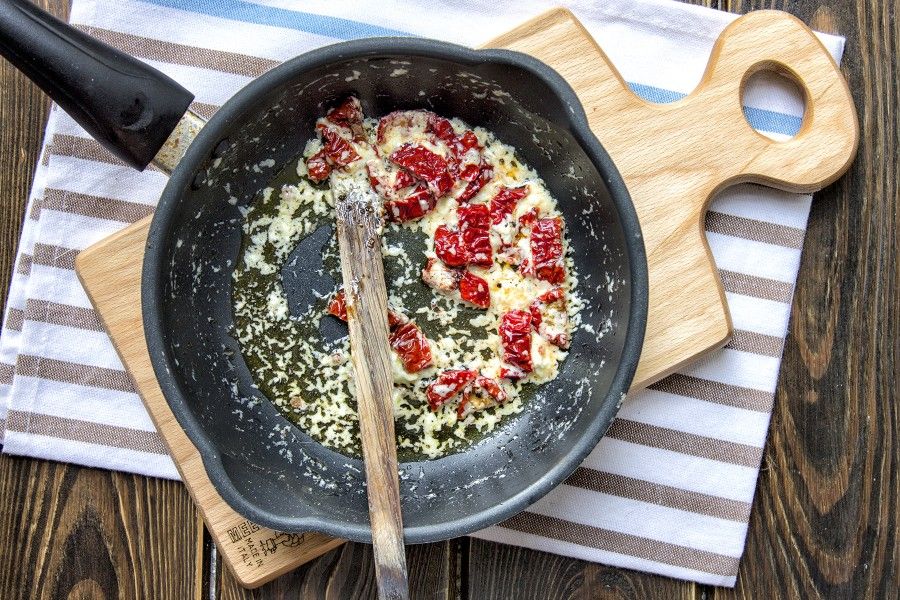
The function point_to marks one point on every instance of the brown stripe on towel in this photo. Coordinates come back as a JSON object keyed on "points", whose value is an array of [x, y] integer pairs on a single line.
{"points": [[15, 317], [85, 431], [714, 391], [75, 373], [758, 287], [752, 229], [179, 54], [686, 443], [6, 373], [62, 314], [756, 343], [23, 265], [623, 543], [86, 149], [54, 256], [656, 493], [204, 110], [97, 207]]}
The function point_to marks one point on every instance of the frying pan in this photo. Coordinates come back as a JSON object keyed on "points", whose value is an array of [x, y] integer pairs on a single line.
{"points": [[264, 467]]}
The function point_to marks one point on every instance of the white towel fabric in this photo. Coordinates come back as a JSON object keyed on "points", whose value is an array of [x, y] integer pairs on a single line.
{"points": [[668, 490]]}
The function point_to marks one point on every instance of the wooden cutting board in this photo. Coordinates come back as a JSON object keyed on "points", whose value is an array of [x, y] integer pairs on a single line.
{"points": [[673, 158]]}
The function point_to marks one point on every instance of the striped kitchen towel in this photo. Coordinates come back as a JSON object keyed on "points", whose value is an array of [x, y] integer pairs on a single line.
{"points": [[668, 490]]}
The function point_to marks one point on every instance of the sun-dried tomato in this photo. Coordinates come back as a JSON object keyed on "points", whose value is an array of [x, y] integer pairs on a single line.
{"points": [[547, 250], [338, 150], [388, 180], [475, 290], [348, 113], [425, 165], [475, 227], [442, 129], [448, 246], [555, 328], [529, 218], [416, 204], [338, 305], [403, 179], [412, 347], [317, 166], [468, 141], [515, 337], [483, 393], [439, 276], [504, 202], [480, 176], [448, 384]]}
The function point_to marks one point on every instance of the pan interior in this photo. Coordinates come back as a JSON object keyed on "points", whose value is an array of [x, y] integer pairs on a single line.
{"points": [[285, 479]]}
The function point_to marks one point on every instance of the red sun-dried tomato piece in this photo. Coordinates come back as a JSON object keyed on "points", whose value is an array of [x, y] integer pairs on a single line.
{"points": [[555, 327], [515, 337], [468, 141], [442, 129], [475, 228], [483, 393], [403, 179], [425, 165], [474, 290], [416, 204], [317, 166], [338, 305], [387, 179], [504, 202], [412, 347], [478, 176], [529, 218], [448, 246], [448, 384], [346, 114], [338, 150], [547, 250]]}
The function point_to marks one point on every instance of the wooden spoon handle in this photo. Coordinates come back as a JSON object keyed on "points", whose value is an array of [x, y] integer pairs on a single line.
{"points": [[367, 308]]}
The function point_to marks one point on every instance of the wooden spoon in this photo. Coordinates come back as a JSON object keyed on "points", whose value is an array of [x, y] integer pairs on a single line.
{"points": [[359, 224]]}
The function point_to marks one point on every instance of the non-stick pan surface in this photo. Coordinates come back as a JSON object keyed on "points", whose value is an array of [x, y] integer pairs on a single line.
{"points": [[266, 468]]}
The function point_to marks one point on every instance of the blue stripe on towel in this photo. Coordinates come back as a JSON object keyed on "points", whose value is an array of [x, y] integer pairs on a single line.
{"points": [[238, 10], [759, 119]]}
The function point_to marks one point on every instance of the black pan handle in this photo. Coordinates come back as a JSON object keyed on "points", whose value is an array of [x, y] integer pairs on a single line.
{"points": [[127, 106]]}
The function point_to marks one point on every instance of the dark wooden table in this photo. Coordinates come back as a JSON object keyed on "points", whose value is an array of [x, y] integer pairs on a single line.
{"points": [[825, 516]]}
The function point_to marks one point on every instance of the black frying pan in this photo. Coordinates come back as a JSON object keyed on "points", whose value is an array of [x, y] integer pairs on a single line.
{"points": [[265, 468]]}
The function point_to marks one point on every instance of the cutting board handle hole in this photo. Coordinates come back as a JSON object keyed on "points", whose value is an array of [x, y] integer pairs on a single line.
{"points": [[775, 85]]}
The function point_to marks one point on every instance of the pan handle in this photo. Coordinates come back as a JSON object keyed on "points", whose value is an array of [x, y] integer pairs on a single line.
{"points": [[126, 105]]}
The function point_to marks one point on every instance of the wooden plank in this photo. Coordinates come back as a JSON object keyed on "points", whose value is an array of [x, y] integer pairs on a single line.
{"points": [[825, 517], [73, 532], [496, 571], [348, 573], [70, 531]]}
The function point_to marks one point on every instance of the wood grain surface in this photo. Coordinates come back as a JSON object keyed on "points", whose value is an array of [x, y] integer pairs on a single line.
{"points": [[824, 521]]}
